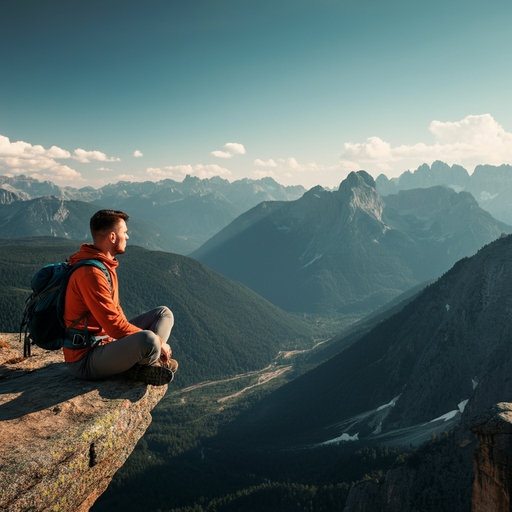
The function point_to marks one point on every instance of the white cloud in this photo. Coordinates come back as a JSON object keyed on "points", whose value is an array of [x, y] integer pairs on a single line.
{"points": [[476, 139], [58, 173], [263, 174], [105, 169], [221, 154], [55, 152], [137, 154], [180, 171], [268, 163], [292, 163], [21, 157], [230, 149], [25, 150], [307, 174], [128, 177], [234, 148], [86, 156]]}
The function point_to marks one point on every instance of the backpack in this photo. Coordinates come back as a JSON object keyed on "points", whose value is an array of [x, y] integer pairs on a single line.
{"points": [[43, 318]]}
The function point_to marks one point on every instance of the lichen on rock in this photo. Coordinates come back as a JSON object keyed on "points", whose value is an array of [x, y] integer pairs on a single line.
{"points": [[62, 439]]}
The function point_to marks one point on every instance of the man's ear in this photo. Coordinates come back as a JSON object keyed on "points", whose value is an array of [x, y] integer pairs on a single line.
{"points": [[112, 237]]}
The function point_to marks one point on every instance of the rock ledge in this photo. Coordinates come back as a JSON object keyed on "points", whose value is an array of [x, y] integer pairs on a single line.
{"points": [[61, 439]]}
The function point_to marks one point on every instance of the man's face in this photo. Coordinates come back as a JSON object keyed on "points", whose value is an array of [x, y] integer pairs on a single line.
{"points": [[121, 233]]}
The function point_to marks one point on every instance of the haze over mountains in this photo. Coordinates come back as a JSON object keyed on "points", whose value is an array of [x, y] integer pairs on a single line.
{"points": [[341, 252], [349, 250], [193, 210], [490, 185], [54, 216]]}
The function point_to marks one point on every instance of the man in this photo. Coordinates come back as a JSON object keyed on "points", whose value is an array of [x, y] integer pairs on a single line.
{"points": [[139, 345]]}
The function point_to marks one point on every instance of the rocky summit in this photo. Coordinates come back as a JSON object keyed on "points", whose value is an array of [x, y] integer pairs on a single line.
{"points": [[348, 251]]}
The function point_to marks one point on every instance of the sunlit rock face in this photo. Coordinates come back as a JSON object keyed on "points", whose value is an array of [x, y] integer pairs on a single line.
{"points": [[63, 439], [492, 487]]}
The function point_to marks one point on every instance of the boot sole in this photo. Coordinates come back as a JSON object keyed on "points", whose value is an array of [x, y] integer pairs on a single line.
{"points": [[154, 375]]}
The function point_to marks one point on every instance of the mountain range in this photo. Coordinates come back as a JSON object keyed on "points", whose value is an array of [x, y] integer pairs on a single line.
{"points": [[54, 216], [490, 185], [349, 251], [193, 210]]}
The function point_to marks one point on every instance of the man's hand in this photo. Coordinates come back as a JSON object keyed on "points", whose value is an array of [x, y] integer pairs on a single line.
{"points": [[165, 353]]}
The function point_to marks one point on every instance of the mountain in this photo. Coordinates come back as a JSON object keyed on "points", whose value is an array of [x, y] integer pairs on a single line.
{"points": [[490, 185], [221, 328], [194, 218], [413, 374], [53, 216], [438, 215], [347, 251], [30, 187], [193, 210], [424, 176], [8, 196]]}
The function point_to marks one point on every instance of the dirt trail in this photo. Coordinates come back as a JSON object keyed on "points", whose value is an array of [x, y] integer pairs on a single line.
{"points": [[294, 352], [213, 382], [266, 377]]}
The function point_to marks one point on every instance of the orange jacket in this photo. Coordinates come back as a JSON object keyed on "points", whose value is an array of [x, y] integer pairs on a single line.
{"points": [[88, 290]]}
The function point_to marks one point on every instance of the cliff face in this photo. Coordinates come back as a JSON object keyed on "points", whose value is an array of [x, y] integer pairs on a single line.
{"points": [[492, 487], [61, 439]]}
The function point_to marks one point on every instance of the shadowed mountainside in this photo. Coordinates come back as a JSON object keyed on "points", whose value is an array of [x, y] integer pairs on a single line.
{"points": [[346, 251], [221, 327]]}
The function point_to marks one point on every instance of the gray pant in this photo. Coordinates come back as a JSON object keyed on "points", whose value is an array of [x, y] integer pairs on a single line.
{"points": [[142, 347]]}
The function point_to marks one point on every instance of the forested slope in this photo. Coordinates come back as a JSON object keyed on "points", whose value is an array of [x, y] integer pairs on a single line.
{"points": [[221, 327]]}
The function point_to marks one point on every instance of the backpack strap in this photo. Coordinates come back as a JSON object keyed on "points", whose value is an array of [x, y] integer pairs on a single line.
{"points": [[79, 338]]}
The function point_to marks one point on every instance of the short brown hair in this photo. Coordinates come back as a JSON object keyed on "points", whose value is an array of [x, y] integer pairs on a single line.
{"points": [[104, 221]]}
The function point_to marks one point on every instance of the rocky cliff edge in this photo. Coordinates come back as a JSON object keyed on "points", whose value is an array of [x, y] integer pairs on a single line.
{"points": [[61, 439], [492, 487]]}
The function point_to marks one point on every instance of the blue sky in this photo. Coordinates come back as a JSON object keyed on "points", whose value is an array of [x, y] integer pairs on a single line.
{"points": [[304, 91]]}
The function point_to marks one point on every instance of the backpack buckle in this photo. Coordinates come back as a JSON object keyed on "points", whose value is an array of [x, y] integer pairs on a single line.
{"points": [[78, 339]]}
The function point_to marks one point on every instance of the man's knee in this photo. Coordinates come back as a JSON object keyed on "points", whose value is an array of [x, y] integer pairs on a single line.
{"points": [[150, 341], [165, 312]]}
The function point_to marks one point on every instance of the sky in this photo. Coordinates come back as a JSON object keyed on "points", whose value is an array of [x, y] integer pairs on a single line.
{"points": [[304, 91]]}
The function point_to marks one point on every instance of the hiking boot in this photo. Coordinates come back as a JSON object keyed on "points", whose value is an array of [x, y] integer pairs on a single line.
{"points": [[154, 374], [172, 364]]}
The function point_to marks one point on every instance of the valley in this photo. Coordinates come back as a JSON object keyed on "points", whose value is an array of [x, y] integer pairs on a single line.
{"points": [[328, 341]]}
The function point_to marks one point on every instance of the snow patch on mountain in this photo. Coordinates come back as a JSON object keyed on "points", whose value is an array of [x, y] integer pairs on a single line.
{"points": [[451, 414], [462, 405], [373, 418], [390, 404], [317, 257], [340, 439]]}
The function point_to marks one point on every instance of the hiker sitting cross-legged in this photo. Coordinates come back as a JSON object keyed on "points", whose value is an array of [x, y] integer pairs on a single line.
{"points": [[103, 342]]}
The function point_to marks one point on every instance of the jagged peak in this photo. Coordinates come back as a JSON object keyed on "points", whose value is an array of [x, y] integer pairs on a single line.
{"points": [[355, 179], [359, 191], [314, 190]]}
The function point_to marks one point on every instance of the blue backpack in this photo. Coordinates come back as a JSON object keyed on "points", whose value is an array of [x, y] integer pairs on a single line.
{"points": [[43, 318]]}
